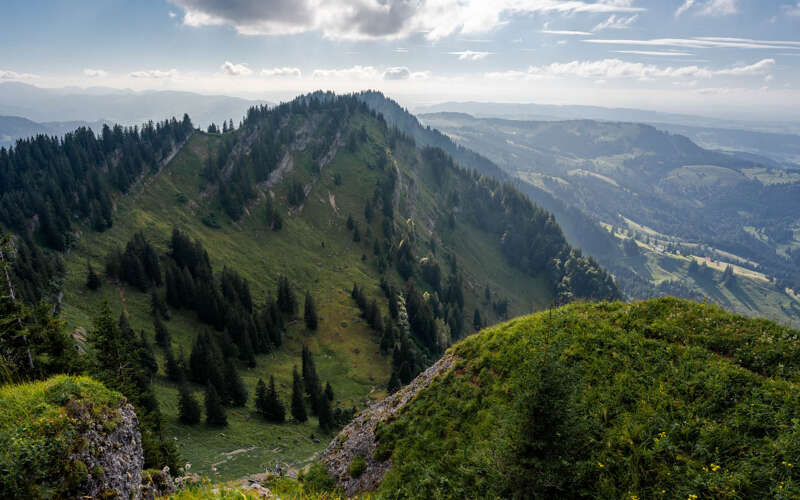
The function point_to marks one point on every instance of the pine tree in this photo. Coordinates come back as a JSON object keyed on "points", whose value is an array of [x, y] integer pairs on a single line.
{"points": [[261, 398], [235, 388], [158, 305], [188, 407], [477, 322], [215, 413], [161, 333], [92, 279], [310, 378], [310, 313], [298, 406], [394, 383], [328, 391], [324, 412], [275, 410]]}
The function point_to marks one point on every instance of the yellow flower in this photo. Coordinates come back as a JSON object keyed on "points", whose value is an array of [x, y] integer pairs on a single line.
{"points": [[600, 464], [692, 496], [714, 467]]}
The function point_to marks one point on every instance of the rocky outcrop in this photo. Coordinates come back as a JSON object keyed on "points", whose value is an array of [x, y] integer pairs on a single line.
{"points": [[113, 455], [358, 438]]}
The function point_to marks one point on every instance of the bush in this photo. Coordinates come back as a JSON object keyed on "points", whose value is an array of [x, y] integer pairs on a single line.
{"points": [[318, 479], [357, 467]]}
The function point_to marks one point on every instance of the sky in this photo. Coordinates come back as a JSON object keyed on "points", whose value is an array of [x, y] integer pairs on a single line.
{"points": [[724, 58]]}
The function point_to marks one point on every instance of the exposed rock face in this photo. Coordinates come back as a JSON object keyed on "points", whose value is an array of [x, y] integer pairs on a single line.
{"points": [[358, 438], [113, 456]]}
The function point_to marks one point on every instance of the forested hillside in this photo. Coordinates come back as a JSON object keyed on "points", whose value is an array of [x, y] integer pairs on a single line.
{"points": [[292, 268]]}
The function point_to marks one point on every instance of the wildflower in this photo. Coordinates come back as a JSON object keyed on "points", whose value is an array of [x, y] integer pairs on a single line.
{"points": [[714, 467], [692, 496], [600, 464]]}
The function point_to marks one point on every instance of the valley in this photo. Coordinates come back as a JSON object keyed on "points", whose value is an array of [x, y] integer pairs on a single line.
{"points": [[676, 201]]}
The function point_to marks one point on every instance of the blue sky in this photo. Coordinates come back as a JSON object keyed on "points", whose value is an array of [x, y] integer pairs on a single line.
{"points": [[738, 58]]}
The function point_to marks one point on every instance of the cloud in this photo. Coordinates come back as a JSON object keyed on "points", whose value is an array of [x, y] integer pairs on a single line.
{"points": [[353, 73], [565, 32], [703, 43], [792, 10], [654, 53], [171, 14], [709, 7], [232, 69], [400, 73], [608, 69], [154, 74], [401, 50], [281, 72], [471, 55], [615, 22], [95, 73], [371, 19], [13, 75]]}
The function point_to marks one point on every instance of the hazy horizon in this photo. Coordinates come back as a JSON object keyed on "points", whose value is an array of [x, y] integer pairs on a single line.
{"points": [[717, 58]]}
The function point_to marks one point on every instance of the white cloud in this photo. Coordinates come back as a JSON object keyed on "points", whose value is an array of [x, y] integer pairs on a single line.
{"points": [[401, 50], [232, 69], [615, 22], [792, 10], [171, 14], [399, 73], [403, 73], [471, 55], [655, 53], [565, 32], [703, 43], [371, 19], [154, 74], [95, 73], [607, 69], [709, 7], [13, 75], [281, 72], [354, 73]]}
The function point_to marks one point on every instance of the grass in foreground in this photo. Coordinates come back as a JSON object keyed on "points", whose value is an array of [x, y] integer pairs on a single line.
{"points": [[659, 399]]}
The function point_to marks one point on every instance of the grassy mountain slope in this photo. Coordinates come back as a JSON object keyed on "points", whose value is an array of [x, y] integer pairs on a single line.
{"points": [[317, 252], [658, 399]]}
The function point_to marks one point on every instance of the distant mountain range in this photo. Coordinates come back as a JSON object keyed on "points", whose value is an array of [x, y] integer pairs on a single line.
{"points": [[17, 127], [124, 106], [779, 141]]}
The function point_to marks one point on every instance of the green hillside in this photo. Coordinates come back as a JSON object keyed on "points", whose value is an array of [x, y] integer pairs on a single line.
{"points": [[658, 399], [320, 192]]}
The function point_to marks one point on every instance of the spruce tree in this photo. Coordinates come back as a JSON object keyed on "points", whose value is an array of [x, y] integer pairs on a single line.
{"points": [[92, 279], [310, 313], [161, 332], [298, 406], [324, 412], [188, 407], [235, 388], [261, 398], [394, 383], [215, 413], [328, 391], [477, 322], [275, 410]]}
